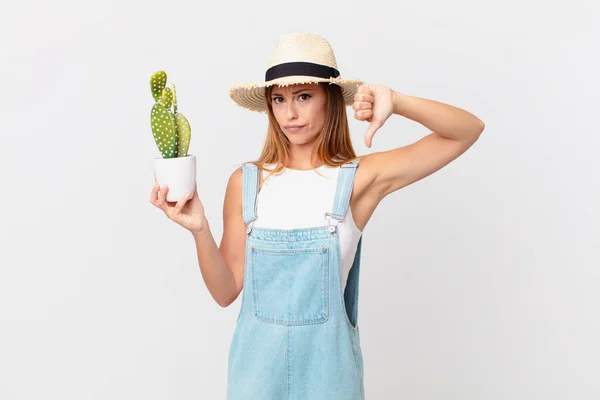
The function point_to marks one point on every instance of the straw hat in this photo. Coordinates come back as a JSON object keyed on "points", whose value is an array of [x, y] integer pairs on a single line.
{"points": [[298, 58]]}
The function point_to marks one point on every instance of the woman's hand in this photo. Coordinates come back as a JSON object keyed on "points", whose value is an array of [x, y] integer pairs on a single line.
{"points": [[374, 104], [187, 213]]}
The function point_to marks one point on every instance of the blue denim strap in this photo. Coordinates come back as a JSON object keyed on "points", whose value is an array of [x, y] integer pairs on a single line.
{"points": [[249, 192], [343, 191]]}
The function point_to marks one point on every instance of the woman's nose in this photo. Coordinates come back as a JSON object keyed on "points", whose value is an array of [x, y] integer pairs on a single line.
{"points": [[290, 110]]}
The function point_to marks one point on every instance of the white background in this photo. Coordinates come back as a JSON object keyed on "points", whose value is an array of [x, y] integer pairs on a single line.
{"points": [[478, 282]]}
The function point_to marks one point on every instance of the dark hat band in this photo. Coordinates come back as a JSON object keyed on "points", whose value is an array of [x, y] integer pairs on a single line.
{"points": [[301, 68]]}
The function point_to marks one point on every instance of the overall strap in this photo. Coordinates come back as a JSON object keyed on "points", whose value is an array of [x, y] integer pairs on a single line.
{"points": [[249, 193], [343, 191]]}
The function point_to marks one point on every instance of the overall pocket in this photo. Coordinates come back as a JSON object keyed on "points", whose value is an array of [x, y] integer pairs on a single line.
{"points": [[291, 286]]}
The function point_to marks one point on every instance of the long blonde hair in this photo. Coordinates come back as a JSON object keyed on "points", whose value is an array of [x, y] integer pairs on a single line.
{"points": [[333, 146]]}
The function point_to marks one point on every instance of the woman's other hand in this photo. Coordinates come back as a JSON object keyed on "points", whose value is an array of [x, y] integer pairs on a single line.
{"points": [[187, 213]]}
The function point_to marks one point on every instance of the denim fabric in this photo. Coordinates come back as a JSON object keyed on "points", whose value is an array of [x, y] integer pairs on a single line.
{"points": [[297, 334]]}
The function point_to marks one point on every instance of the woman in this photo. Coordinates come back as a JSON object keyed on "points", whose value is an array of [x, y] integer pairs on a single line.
{"points": [[297, 334]]}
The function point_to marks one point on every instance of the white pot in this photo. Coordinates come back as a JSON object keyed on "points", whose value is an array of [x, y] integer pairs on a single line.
{"points": [[179, 173]]}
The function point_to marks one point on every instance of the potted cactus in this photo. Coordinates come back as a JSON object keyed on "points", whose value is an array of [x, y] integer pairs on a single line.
{"points": [[172, 132]]}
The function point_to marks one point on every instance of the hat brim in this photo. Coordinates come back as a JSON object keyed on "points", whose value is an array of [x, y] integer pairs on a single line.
{"points": [[252, 95]]}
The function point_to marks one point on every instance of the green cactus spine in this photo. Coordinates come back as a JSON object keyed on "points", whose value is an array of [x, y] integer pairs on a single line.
{"points": [[171, 129]]}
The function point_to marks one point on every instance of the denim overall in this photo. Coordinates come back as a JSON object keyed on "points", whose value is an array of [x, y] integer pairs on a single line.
{"points": [[297, 334]]}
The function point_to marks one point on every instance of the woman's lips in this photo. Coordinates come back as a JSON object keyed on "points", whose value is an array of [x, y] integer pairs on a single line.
{"points": [[294, 129]]}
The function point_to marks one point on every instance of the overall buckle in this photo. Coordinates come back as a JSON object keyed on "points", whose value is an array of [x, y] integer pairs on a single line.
{"points": [[249, 228], [332, 222]]}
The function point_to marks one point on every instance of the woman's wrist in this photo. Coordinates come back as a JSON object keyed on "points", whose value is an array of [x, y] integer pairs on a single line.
{"points": [[398, 101], [205, 229]]}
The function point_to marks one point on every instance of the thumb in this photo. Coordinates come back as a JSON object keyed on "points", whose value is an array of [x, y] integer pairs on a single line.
{"points": [[373, 127]]}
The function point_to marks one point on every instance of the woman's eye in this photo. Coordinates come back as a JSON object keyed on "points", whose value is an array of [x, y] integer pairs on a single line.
{"points": [[307, 96]]}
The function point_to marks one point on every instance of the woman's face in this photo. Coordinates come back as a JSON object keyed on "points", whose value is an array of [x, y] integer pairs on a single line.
{"points": [[302, 105]]}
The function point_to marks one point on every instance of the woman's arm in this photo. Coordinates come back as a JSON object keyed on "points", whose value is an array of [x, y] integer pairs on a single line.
{"points": [[443, 119], [217, 276], [223, 268], [454, 130]]}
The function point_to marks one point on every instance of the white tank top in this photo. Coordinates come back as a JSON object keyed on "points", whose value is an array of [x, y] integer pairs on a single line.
{"points": [[299, 199]]}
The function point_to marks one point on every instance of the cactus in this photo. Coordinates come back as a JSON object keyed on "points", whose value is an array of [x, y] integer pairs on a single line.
{"points": [[171, 129], [184, 131], [158, 80], [167, 97]]}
